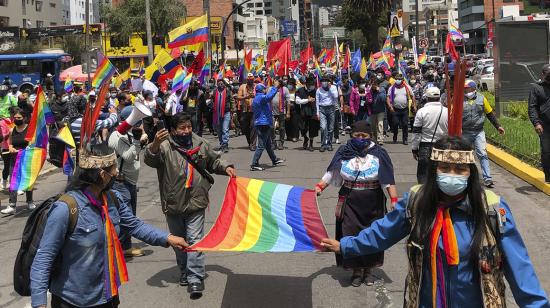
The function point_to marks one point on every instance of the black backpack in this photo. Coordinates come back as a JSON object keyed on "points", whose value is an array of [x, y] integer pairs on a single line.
{"points": [[32, 234]]}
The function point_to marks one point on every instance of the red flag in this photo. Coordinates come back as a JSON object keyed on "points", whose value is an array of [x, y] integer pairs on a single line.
{"points": [[305, 56], [248, 61], [347, 58], [330, 55], [280, 50], [450, 48], [175, 52], [198, 63], [293, 64]]}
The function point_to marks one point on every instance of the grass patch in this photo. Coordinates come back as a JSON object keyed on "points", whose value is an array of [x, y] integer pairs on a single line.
{"points": [[529, 9], [520, 139]]}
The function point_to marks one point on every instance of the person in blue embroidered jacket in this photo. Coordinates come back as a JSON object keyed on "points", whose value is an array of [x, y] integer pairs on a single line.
{"points": [[81, 277], [462, 240]]}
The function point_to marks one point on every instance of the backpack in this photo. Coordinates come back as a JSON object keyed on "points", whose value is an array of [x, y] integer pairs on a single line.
{"points": [[32, 234]]}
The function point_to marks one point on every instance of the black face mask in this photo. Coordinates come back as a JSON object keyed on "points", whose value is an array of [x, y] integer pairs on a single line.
{"points": [[183, 140], [250, 82], [109, 184], [18, 122]]}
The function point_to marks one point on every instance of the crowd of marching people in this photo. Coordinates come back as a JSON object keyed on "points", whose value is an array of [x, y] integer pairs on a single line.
{"points": [[271, 112]]}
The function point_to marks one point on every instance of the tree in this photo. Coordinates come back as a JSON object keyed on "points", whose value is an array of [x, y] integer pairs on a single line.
{"points": [[129, 18], [367, 16]]}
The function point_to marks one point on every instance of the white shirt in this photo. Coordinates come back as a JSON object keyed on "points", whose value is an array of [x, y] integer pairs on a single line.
{"points": [[425, 123], [172, 103]]}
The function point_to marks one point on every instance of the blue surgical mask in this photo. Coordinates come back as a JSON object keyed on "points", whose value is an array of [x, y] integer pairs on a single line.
{"points": [[360, 143], [452, 184]]}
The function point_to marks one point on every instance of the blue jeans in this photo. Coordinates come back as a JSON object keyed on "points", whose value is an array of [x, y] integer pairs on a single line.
{"points": [[480, 145], [191, 228], [264, 142], [223, 129], [326, 117], [128, 192]]}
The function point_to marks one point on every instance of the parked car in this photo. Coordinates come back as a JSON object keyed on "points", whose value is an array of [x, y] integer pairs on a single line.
{"points": [[487, 79]]}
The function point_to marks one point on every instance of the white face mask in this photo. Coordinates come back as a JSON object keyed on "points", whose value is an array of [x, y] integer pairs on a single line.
{"points": [[470, 95], [398, 82], [413, 81]]}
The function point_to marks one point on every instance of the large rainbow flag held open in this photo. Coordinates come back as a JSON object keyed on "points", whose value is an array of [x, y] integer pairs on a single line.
{"points": [[260, 216]]}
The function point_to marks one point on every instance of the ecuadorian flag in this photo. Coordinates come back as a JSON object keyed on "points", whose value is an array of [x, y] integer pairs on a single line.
{"points": [[191, 33], [162, 64]]}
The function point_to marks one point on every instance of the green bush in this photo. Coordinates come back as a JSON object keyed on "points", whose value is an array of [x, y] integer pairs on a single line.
{"points": [[520, 139]]}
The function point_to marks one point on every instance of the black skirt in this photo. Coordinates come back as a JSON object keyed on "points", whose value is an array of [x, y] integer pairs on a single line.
{"points": [[362, 208]]}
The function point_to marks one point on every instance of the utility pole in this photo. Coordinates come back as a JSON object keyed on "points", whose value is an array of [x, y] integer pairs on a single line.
{"points": [[148, 29], [87, 41], [416, 30]]}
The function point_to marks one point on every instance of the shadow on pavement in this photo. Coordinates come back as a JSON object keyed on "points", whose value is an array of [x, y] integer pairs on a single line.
{"points": [[525, 190]]}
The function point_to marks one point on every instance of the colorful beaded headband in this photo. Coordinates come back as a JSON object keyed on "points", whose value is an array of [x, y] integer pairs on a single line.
{"points": [[453, 156]]}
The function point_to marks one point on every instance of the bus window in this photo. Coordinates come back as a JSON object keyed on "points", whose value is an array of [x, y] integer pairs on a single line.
{"points": [[27, 66], [7, 67]]}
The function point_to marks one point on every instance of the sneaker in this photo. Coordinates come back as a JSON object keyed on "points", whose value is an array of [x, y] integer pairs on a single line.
{"points": [[343, 133], [337, 141], [256, 168], [356, 280], [183, 280], [133, 252], [489, 184], [347, 128], [225, 149], [322, 149], [31, 206], [278, 162], [9, 210], [20, 192]]}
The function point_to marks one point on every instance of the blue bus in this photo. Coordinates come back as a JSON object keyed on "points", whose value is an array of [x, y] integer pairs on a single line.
{"points": [[27, 70]]}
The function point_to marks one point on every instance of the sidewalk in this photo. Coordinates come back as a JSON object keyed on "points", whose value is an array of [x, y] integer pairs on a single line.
{"points": [[47, 169]]}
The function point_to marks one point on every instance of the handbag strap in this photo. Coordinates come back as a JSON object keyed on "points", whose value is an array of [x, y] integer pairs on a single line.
{"points": [[437, 124]]}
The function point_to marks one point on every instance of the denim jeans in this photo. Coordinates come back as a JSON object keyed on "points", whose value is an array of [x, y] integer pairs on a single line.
{"points": [[128, 192], [281, 118], [264, 142], [424, 152], [480, 145], [400, 118], [223, 129], [191, 228], [326, 117], [545, 151]]}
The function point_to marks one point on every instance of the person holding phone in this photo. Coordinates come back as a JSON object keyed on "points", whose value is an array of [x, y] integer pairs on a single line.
{"points": [[184, 162]]}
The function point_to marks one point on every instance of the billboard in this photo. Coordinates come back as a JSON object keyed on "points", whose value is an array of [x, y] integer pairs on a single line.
{"points": [[328, 32], [288, 27], [9, 37]]}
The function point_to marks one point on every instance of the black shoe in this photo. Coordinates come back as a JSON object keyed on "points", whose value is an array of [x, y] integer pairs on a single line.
{"points": [[256, 168], [489, 184], [405, 142], [252, 148], [394, 139], [280, 146], [356, 281], [183, 280], [278, 161], [330, 149], [195, 288], [310, 148], [225, 149], [322, 149]]}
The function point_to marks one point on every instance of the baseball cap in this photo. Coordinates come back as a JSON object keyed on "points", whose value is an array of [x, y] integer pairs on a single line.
{"points": [[470, 84], [433, 92]]}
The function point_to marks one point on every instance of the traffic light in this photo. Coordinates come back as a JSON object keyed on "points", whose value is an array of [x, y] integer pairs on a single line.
{"points": [[411, 31]]}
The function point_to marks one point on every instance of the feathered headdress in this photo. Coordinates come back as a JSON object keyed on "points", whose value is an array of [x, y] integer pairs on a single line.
{"points": [[97, 157]]}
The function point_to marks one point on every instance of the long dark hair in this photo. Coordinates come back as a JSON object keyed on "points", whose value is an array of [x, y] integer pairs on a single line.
{"points": [[83, 178], [429, 196]]}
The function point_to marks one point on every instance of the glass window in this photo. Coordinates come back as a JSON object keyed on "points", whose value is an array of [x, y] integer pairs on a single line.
{"points": [[38, 5], [259, 12], [250, 5], [52, 4], [39, 24], [267, 4], [3, 2], [4, 21], [259, 4]]}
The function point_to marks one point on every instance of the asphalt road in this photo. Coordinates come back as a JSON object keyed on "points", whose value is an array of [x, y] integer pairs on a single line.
{"points": [[270, 279]]}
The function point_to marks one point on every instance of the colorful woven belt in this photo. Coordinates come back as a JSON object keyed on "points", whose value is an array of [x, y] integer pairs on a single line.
{"points": [[361, 185]]}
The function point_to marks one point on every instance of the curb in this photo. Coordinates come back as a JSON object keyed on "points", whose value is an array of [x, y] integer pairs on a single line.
{"points": [[524, 171], [49, 170]]}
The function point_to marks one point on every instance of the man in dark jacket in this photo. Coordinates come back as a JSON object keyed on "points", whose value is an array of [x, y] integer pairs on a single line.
{"points": [[539, 114], [221, 113], [184, 189], [263, 120]]}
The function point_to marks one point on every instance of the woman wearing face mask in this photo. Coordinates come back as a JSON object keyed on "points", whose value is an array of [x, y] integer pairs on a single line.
{"points": [[17, 142], [364, 98], [90, 271], [462, 240], [363, 170]]}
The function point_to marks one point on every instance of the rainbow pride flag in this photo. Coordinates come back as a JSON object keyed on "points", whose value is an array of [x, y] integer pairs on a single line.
{"points": [[177, 82], [42, 116], [186, 82], [323, 55], [260, 216], [422, 58], [27, 166], [105, 70], [68, 87], [387, 44], [455, 33], [205, 72], [68, 162]]}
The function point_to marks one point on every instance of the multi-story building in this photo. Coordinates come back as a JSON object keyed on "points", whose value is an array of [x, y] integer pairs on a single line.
{"points": [[474, 16], [77, 12], [259, 30], [323, 17], [30, 13], [305, 23], [435, 17]]}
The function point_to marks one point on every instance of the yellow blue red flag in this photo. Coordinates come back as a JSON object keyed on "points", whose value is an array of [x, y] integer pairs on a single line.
{"points": [[191, 33]]}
